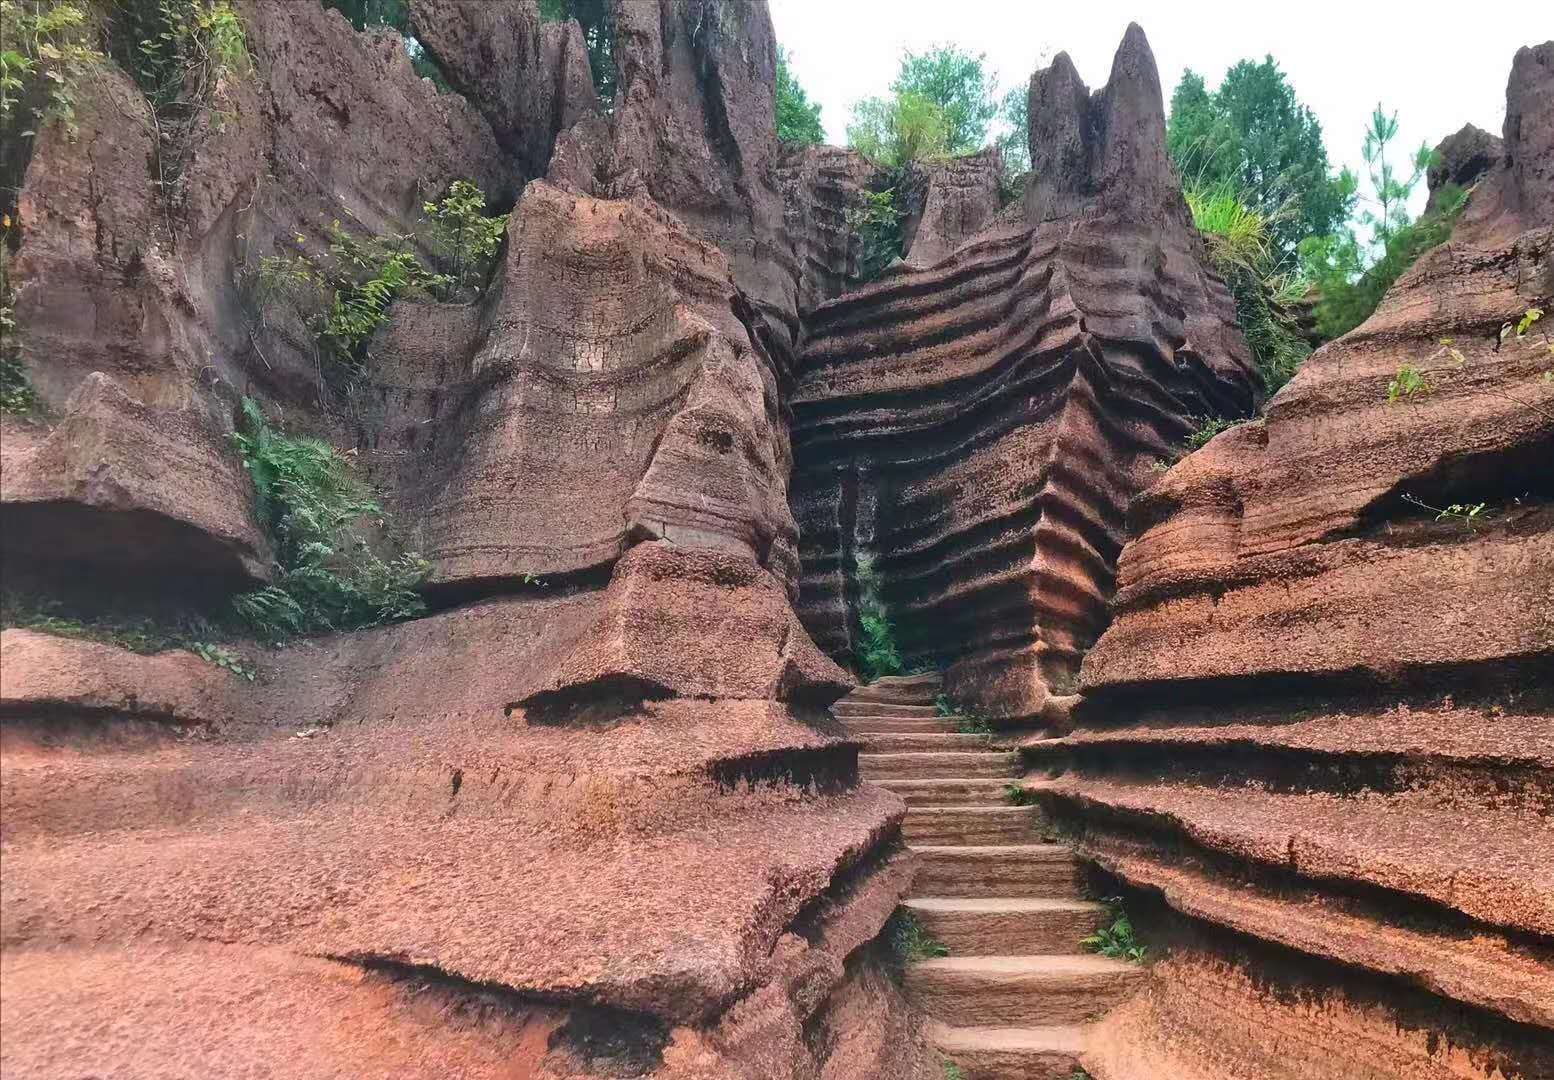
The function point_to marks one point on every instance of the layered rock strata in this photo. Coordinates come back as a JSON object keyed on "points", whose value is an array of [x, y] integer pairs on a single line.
{"points": [[1318, 731], [588, 818], [976, 428]]}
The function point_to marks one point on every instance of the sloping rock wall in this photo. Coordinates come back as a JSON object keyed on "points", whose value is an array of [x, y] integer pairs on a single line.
{"points": [[1318, 731], [978, 426]]}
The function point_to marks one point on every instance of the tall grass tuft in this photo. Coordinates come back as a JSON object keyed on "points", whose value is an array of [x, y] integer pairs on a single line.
{"points": [[1241, 244]]}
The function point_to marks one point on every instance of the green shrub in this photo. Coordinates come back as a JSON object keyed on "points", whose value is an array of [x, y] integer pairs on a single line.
{"points": [[1117, 939], [892, 132], [1243, 247], [329, 577], [876, 221], [1351, 277], [224, 658], [344, 294], [1208, 427], [798, 118], [49, 616], [876, 645], [461, 233], [1019, 795]]}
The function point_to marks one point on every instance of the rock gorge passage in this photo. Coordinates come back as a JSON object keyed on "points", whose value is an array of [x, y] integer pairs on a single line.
{"points": [[591, 815]]}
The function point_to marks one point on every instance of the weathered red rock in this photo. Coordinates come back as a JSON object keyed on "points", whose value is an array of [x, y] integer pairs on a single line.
{"points": [[979, 426], [1317, 729]]}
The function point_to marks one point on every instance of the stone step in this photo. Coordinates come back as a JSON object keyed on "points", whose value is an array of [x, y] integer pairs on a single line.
{"points": [[961, 791], [884, 742], [904, 689], [1005, 925], [971, 825], [1019, 990], [929, 765], [871, 724], [1011, 1053], [847, 709], [1039, 870]]}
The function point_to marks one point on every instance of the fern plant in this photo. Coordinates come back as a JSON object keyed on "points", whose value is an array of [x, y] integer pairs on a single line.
{"points": [[329, 577], [877, 652], [1117, 939]]}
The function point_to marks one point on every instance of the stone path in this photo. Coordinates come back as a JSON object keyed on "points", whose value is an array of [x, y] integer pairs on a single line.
{"points": [[1011, 999]]}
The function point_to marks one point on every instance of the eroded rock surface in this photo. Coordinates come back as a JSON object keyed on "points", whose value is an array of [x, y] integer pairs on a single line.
{"points": [[588, 818], [978, 427], [1318, 729]]}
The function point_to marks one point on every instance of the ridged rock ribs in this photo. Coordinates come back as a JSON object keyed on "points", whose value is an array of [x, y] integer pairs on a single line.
{"points": [[978, 427], [1319, 728]]}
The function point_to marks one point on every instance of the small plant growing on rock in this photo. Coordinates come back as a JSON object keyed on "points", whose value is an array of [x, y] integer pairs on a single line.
{"points": [[1407, 384], [329, 578], [909, 941], [1117, 939], [462, 234], [1019, 795], [225, 659], [877, 223], [953, 1071], [1469, 514], [1208, 427], [943, 705], [972, 723]]}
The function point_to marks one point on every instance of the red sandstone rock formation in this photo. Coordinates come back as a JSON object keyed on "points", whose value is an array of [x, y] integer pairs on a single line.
{"points": [[588, 818], [979, 425], [1318, 730]]}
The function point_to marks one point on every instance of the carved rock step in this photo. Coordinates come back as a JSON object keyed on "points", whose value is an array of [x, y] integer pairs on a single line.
{"points": [[1006, 926], [859, 726], [905, 689], [1041, 870], [935, 766], [962, 791], [883, 742], [848, 708], [1011, 1053], [1019, 990], [971, 825]]}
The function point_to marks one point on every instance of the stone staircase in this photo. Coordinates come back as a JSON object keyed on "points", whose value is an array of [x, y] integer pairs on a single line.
{"points": [[1011, 999]]}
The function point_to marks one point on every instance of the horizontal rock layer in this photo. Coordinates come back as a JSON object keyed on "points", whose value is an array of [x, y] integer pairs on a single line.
{"points": [[977, 427], [1318, 729]]}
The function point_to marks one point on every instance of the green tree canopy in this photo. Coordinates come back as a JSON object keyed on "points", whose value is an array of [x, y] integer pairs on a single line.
{"points": [[798, 119], [893, 131], [956, 82], [1015, 142], [1253, 132]]}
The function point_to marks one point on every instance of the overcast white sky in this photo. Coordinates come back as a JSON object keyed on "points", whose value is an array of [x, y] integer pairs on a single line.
{"points": [[1438, 70]]}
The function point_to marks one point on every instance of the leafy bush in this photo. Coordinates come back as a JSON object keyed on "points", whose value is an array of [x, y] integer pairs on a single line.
{"points": [[876, 645], [1243, 248], [46, 47], [49, 616], [1019, 795], [1117, 939], [798, 118], [462, 234], [957, 85], [892, 132], [311, 503], [876, 222], [16, 392], [344, 294], [225, 659]]}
